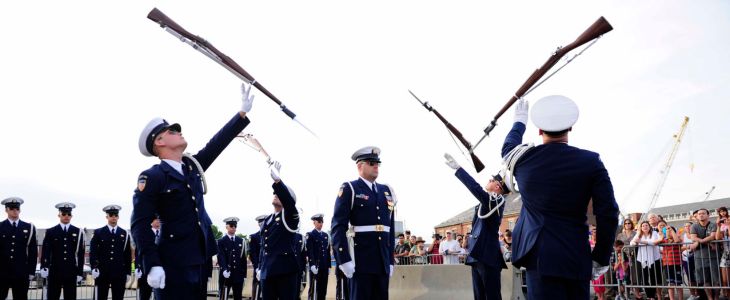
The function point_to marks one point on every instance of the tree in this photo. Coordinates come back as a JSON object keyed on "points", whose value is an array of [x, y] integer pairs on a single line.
{"points": [[216, 233]]}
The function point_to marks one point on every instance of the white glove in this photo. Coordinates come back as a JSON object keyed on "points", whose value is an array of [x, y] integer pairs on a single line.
{"points": [[95, 273], [521, 111], [31, 277], [451, 162], [275, 171], [138, 273], [44, 272], [348, 268], [391, 271], [247, 98], [78, 279], [156, 278], [227, 274], [128, 277], [258, 274], [598, 270], [314, 269]]}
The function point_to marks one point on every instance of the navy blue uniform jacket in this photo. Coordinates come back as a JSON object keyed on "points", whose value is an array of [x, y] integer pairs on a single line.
{"points": [[232, 258], [18, 250], [60, 254], [318, 250], [254, 248], [186, 237], [111, 254], [557, 181], [280, 254]]}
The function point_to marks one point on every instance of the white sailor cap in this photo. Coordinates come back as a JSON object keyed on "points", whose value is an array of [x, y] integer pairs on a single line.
{"points": [[369, 153], [261, 218], [153, 128], [318, 217], [12, 202], [554, 113], [65, 207], [112, 209], [233, 221]]}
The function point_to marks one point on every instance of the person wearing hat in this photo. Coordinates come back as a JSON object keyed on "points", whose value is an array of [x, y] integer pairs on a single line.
{"points": [[232, 261], [18, 251], [557, 182], [255, 248], [279, 254], [174, 190], [62, 256], [485, 255], [366, 209], [318, 252], [144, 290], [110, 256]]}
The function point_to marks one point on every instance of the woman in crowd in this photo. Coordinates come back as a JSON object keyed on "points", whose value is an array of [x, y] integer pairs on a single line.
{"points": [[722, 235], [433, 250], [626, 235], [648, 257], [671, 259]]}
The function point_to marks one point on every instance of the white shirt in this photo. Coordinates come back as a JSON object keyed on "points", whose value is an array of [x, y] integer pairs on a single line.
{"points": [[648, 253], [111, 229], [64, 227], [175, 165], [370, 184], [17, 221], [453, 246]]}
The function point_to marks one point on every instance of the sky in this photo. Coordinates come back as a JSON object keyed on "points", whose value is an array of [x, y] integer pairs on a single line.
{"points": [[79, 80]]}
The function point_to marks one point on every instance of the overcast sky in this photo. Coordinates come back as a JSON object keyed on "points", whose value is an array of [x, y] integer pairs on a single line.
{"points": [[79, 80]]}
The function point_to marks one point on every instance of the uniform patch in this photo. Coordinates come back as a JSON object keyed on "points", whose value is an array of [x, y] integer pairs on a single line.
{"points": [[73, 234], [391, 206], [362, 196], [141, 182], [339, 194], [25, 230], [386, 193]]}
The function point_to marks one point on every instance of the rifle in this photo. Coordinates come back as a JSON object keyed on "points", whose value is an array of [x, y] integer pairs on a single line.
{"points": [[593, 32], [478, 165], [203, 46]]}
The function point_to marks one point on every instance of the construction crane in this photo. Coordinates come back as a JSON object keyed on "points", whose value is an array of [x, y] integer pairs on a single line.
{"points": [[668, 165]]}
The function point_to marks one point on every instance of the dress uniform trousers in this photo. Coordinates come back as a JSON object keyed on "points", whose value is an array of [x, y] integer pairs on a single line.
{"points": [[143, 288], [321, 279], [58, 282], [117, 286], [369, 286], [483, 283], [18, 285]]}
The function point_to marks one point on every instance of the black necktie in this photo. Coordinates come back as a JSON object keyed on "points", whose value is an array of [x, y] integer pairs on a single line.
{"points": [[374, 191], [15, 224], [65, 229], [233, 239], [157, 233], [112, 231]]}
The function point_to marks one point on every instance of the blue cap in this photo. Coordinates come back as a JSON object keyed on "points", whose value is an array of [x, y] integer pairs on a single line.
{"points": [[150, 132]]}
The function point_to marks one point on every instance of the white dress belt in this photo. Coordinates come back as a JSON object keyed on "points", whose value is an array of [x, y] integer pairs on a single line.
{"points": [[371, 228]]}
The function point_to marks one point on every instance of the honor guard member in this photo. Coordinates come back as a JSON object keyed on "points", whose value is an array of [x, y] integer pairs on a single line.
{"points": [[279, 255], [557, 182], [318, 253], [18, 251], [143, 288], [485, 255], [301, 245], [62, 256], [232, 261], [110, 256], [174, 190], [367, 258], [255, 248]]}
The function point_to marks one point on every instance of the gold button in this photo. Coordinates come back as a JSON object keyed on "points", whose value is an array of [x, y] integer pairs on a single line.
{"points": [[196, 209], [198, 222], [168, 191], [340, 248]]}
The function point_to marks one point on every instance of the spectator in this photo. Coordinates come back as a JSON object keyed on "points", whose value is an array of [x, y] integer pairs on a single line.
{"points": [[401, 250], [722, 234], [648, 256], [418, 252], [688, 260], [671, 260], [706, 263], [507, 245], [433, 250], [653, 220], [620, 265], [408, 239], [450, 249], [628, 231], [599, 285]]}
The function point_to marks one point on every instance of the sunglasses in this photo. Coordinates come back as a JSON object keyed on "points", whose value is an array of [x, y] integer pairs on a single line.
{"points": [[372, 163], [66, 214], [113, 215]]}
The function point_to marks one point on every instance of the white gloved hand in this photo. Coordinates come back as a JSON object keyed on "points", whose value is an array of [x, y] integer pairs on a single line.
{"points": [[348, 268], [44, 272], [78, 279], [226, 274], [598, 270], [275, 171], [128, 277], [258, 274], [156, 278], [247, 98], [314, 270], [138, 273], [521, 111], [31, 277], [95, 273], [391, 271], [451, 162]]}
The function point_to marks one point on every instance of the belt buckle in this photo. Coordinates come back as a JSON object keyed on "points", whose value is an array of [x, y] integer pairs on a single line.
{"points": [[379, 228]]}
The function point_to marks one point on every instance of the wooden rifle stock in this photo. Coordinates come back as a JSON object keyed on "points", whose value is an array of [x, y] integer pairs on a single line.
{"points": [[598, 28]]}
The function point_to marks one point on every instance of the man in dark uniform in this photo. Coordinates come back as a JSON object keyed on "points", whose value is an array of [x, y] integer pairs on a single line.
{"points": [[18, 251], [485, 255], [367, 206], [143, 288], [62, 256], [279, 256], [318, 252], [301, 246], [110, 255], [174, 190], [255, 248], [557, 182], [232, 261]]}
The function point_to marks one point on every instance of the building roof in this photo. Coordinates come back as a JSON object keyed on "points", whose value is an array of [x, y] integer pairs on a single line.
{"points": [[511, 207], [688, 207]]}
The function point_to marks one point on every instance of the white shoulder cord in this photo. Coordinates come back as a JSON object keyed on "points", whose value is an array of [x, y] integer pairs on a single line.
{"points": [[126, 239], [200, 171], [500, 202], [30, 236], [78, 244], [509, 161]]}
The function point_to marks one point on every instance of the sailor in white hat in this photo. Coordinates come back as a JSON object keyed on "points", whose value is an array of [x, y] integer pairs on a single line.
{"points": [[367, 208], [174, 189], [318, 254], [232, 260], [19, 251], [110, 256], [255, 247], [62, 257], [557, 181]]}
